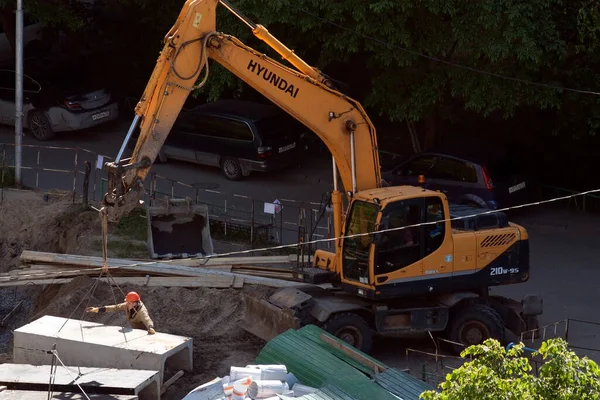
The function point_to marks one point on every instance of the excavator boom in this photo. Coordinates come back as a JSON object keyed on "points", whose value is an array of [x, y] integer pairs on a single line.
{"points": [[305, 93]]}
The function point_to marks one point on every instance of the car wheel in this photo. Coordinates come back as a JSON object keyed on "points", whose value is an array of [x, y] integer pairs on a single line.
{"points": [[232, 168], [40, 126], [351, 329]]}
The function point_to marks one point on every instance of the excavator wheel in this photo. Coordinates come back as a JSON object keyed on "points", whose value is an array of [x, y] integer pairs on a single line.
{"points": [[474, 324], [352, 329]]}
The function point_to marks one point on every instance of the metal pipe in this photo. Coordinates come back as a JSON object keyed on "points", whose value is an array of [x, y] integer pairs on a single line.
{"points": [[129, 133], [19, 92], [263, 34], [335, 175], [336, 203], [353, 161]]}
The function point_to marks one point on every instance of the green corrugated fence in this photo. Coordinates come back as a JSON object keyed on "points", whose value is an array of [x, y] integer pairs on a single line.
{"points": [[318, 364]]}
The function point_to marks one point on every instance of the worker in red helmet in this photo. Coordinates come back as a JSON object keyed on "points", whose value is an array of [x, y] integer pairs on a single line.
{"points": [[135, 311]]}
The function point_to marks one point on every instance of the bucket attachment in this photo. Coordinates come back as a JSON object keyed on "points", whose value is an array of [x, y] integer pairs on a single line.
{"points": [[179, 229], [266, 320]]}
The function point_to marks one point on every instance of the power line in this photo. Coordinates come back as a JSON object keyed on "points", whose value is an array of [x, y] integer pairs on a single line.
{"points": [[284, 246], [431, 58]]}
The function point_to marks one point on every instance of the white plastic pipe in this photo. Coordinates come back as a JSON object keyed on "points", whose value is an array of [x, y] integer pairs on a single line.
{"points": [[264, 389], [272, 372], [237, 373]]}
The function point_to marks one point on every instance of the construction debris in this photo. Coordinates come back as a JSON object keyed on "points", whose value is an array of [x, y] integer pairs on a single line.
{"points": [[308, 364], [251, 382], [41, 268]]}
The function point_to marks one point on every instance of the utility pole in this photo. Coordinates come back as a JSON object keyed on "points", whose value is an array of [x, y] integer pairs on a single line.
{"points": [[19, 93]]}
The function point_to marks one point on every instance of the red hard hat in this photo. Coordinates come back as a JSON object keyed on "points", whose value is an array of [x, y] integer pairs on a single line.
{"points": [[132, 296]]}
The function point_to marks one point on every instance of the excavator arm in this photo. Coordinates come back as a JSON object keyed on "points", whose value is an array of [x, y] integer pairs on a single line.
{"points": [[305, 93]]}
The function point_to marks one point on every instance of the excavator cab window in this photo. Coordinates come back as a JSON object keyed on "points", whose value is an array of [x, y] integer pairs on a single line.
{"points": [[400, 245], [357, 249], [434, 232]]}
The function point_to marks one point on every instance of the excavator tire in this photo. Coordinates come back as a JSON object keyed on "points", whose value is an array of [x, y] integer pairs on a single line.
{"points": [[474, 324], [352, 329]]}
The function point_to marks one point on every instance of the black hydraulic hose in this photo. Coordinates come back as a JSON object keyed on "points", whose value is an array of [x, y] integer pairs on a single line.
{"points": [[238, 13]]}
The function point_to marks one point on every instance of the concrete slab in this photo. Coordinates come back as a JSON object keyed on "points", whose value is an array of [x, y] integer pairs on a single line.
{"points": [[141, 383], [43, 395], [89, 344]]}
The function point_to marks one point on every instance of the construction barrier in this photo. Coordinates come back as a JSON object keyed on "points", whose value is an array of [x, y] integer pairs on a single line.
{"points": [[67, 171]]}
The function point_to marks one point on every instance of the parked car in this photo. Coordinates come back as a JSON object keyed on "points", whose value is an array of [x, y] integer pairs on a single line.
{"points": [[54, 104], [464, 180], [239, 137]]}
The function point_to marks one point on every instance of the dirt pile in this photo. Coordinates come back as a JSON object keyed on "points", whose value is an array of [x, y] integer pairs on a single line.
{"points": [[29, 221], [210, 316]]}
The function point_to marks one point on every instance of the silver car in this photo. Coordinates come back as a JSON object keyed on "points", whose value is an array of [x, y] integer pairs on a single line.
{"points": [[48, 109]]}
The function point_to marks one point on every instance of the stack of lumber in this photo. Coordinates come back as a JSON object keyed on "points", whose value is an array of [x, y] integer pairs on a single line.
{"points": [[41, 268]]}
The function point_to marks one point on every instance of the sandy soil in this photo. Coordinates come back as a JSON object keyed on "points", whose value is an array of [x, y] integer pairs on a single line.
{"points": [[210, 316], [27, 221]]}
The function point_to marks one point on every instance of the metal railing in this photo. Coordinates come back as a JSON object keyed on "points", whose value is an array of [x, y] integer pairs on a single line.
{"points": [[282, 221], [68, 173], [585, 203]]}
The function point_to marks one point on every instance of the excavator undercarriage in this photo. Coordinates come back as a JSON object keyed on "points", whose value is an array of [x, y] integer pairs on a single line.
{"points": [[464, 318]]}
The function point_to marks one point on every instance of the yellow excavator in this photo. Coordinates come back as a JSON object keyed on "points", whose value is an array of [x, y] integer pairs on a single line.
{"points": [[405, 260]]}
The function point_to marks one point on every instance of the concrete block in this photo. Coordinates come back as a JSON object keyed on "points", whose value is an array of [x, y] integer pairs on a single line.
{"points": [[89, 344], [43, 395], [98, 381]]}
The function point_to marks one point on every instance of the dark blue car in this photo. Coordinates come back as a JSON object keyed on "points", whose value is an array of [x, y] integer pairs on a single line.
{"points": [[464, 181]]}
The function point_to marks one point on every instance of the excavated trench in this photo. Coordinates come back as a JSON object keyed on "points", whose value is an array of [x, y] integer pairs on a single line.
{"points": [[210, 316]]}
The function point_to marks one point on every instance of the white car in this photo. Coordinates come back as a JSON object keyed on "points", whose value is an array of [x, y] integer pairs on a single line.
{"points": [[48, 109]]}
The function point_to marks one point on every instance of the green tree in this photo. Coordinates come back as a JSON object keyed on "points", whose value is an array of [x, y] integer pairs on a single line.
{"points": [[500, 375], [411, 73], [66, 14]]}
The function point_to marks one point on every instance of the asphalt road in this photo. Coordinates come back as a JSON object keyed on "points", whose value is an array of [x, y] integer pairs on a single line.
{"points": [[564, 245], [296, 187]]}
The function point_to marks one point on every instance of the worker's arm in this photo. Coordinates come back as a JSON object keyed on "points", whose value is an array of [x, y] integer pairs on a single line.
{"points": [[113, 308], [142, 314]]}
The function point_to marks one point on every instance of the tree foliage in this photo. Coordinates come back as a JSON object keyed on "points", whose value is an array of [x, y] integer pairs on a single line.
{"points": [[414, 60], [500, 375], [401, 57]]}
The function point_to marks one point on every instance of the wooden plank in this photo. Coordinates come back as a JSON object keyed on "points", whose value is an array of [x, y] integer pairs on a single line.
{"points": [[35, 282], [352, 353], [29, 256], [150, 268], [56, 268], [238, 282], [171, 381], [277, 275], [238, 268], [7, 317], [138, 281], [154, 281]]}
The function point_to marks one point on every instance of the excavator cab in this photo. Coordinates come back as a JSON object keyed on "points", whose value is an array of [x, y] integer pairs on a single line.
{"points": [[410, 236], [401, 242]]}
